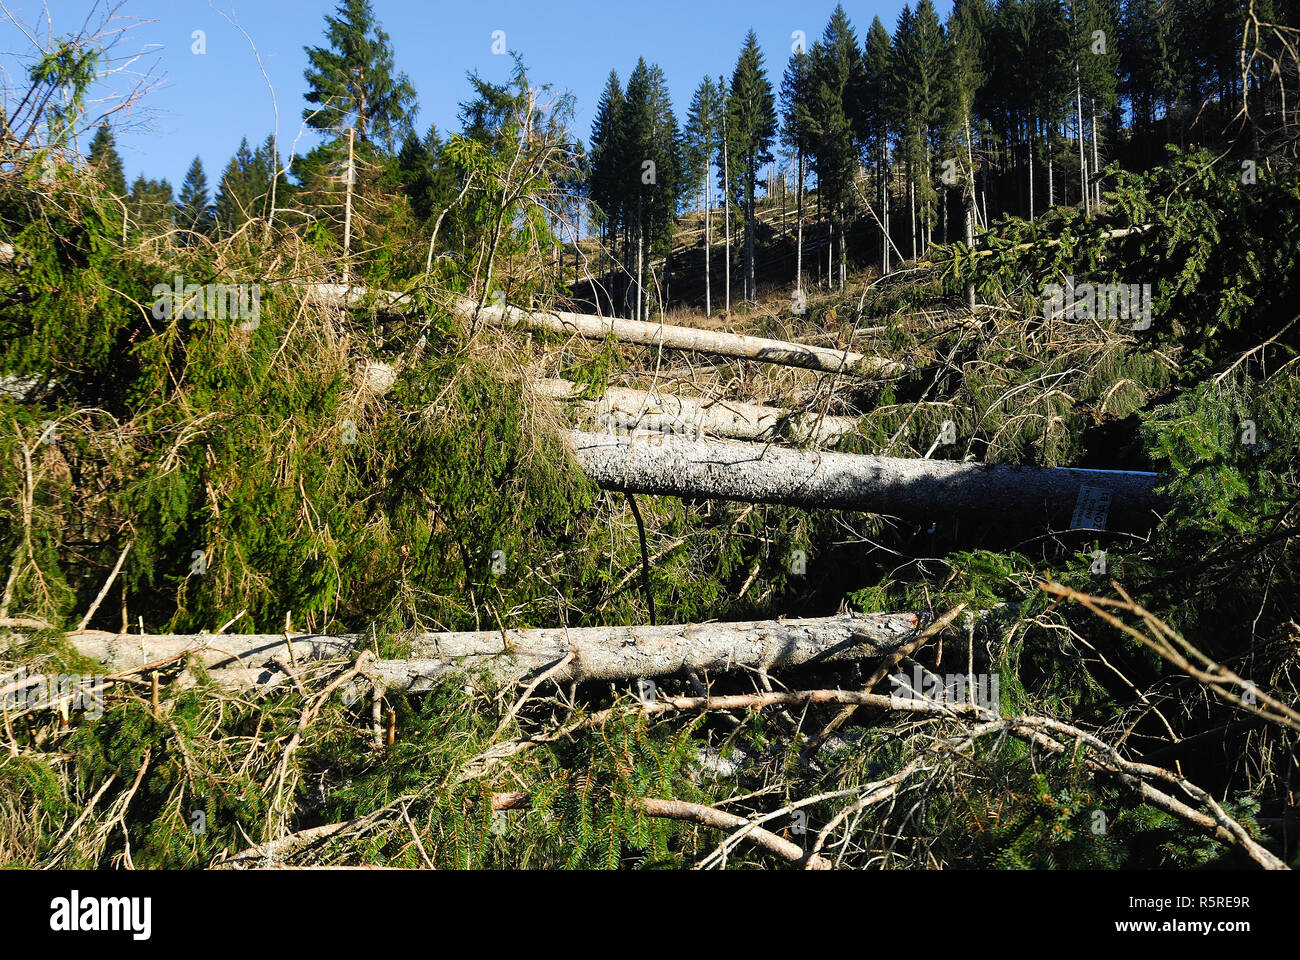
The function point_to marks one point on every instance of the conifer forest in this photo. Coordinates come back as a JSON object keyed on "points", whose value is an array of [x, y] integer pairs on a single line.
{"points": [[885, 457]]}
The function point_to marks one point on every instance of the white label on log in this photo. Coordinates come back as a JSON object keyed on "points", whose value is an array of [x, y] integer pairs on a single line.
{"points": [[1091, 509]]}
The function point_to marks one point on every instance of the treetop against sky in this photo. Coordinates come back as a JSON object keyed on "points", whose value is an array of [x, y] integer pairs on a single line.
{"points": [[207, 101]]}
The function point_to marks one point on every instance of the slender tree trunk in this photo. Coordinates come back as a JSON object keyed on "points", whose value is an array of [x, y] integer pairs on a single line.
{"points": [[798, 258], [726, 208], [844, 252], [640, 252], [1030, 154], [347, 213], [911, 190], [708, 250], [1051, 166], [1084, 192], [971, 210], [1096, 162], [751, 293]]}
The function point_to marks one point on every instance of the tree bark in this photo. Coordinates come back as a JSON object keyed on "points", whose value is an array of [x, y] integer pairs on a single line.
{"points": [[798, 259], [645, 333], [628, 410], [598, 653], [914, 488]]}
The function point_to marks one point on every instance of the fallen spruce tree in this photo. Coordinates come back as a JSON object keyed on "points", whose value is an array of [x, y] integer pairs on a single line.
{"points": [[629, 409], [674, 466], [564, 654], [638, 332]]}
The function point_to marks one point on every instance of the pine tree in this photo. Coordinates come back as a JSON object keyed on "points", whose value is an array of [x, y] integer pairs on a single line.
{"points": [[194, 209], [106, 163], [751, 127], [352, 83]]}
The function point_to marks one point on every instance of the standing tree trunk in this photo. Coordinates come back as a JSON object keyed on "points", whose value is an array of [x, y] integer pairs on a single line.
{"points": [[726, 209], [1083, 160], [347, 214], [911, 192], [751, 185], [708, 250], [798, 258], [972, 212], [1051, 177], [640, 253], [1096, 162], [886, 181], [1030, 154]]}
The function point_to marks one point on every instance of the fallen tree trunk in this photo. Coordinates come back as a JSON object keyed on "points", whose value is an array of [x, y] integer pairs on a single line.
{"points": [[592, 653], [627, 409], [920, 489], [640, 332]]}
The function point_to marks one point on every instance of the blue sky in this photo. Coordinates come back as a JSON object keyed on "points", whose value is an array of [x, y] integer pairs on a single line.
{"points": [[203, 104]]}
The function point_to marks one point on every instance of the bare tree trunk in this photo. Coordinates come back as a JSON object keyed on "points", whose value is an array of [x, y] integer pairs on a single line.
{"points": [[886, 181], [1083, 161], [798, 260], [592, 653], [347, 213], [1051, 176], [913, 488], [1096, 162], [751, 292], [640, 237], [1030, 154], [708, 248], [726, 208], [626, 410], [972, 212], [911, 190]]}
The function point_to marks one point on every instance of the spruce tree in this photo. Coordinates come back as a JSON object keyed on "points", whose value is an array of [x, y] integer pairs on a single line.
{"points": [[352, 82], [194, 208], [649, 172], [796, 134], [235, 194], [105, 161], [150, 207], [838, 124], [703, 125], [605, 163], [751, 127], [881, 119]]}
